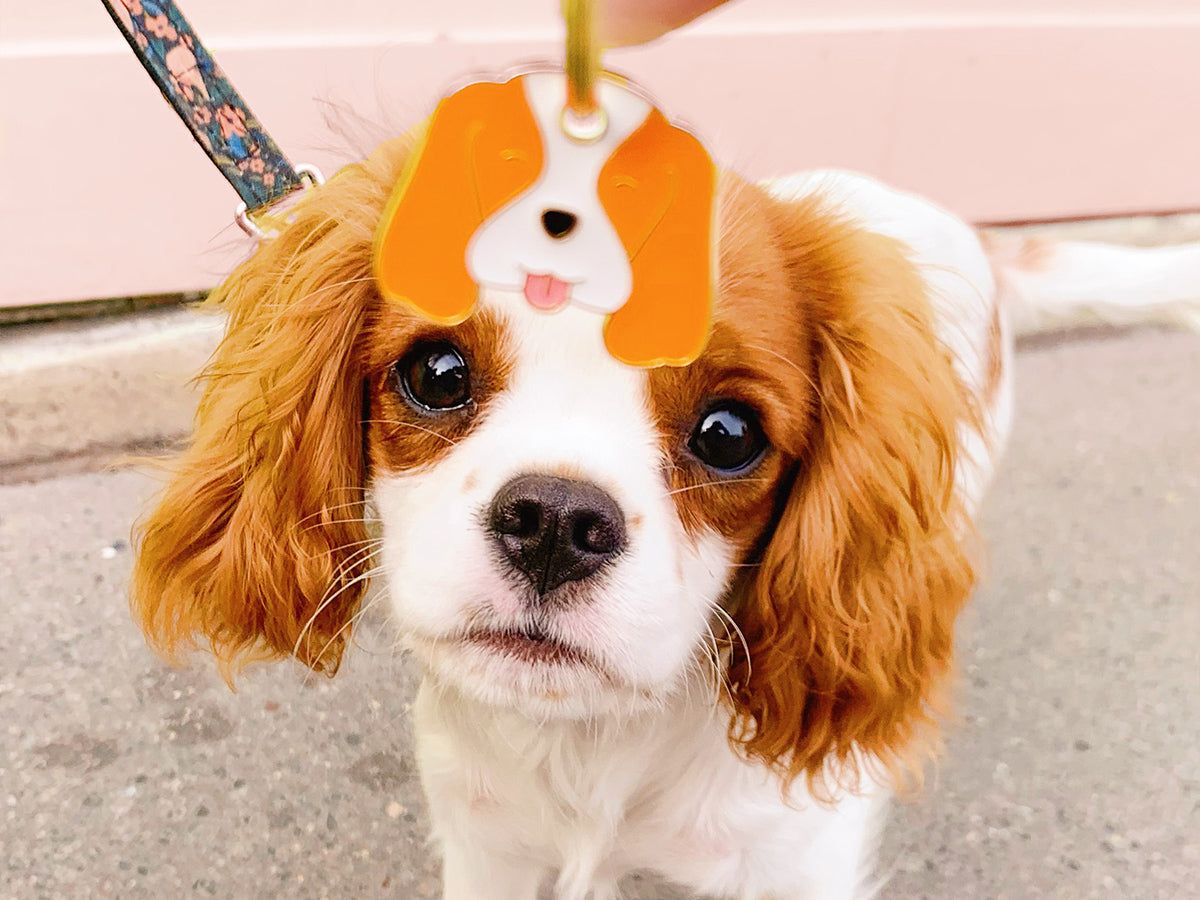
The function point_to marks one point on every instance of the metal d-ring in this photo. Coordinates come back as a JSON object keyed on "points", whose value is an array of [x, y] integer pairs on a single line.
{"points": [[311, 177], [583, 118]]}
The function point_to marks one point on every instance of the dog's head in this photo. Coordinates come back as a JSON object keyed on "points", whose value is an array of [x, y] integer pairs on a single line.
{"points": [[568, 535]]}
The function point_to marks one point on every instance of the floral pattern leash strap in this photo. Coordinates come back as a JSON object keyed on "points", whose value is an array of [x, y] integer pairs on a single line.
{"points": [[219, 119]]}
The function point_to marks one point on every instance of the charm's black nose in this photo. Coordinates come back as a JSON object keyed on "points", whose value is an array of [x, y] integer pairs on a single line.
{"points": [[558, 222], [554, 530]]}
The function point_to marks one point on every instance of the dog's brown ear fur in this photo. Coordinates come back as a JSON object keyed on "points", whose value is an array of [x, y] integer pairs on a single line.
{"points": [[849, 618], [256, 545]]}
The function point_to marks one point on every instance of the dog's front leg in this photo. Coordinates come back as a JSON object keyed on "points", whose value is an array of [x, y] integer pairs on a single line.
{"points": [[469, 874]]}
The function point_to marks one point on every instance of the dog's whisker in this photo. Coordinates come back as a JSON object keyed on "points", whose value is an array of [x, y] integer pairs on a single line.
{"points": [[358, 558], [360, 615], [711, 652], [378, 644], [365, 551], [329, 509], [349, 544], [731, 625], [704, 484], [413, 425], [338, 522], [358, 579]]}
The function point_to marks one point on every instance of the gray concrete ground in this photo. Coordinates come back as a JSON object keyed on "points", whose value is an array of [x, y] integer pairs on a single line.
{"points": [[79, 390], [1074, 771]]}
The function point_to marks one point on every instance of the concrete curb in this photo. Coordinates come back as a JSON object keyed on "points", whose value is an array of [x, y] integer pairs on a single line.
{"points": [[97, 388], [79, 394]]}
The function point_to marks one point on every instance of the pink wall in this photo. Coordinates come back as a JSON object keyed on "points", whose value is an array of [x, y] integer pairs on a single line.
{"points": [[1016, 110]]}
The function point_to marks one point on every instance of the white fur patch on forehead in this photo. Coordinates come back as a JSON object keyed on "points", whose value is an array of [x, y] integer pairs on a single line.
{"points": [[574, 407], [571, 338], [588, 265]]}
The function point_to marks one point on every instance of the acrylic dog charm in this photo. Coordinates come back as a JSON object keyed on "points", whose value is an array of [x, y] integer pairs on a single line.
{"points": [[502, 196]]}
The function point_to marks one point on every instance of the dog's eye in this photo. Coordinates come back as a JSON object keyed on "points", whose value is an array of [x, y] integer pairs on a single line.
{"points": [[435, 377], [728, 437]]}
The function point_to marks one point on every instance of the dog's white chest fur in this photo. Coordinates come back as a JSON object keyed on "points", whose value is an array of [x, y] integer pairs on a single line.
{"points": [[660, 790]]}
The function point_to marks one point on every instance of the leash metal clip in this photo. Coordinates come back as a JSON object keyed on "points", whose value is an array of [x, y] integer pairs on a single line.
{"points": [[583, 118], [310, 176]]}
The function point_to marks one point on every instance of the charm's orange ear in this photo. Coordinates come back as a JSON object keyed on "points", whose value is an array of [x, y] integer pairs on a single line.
{"points": [[657, 189], [482, 149]]}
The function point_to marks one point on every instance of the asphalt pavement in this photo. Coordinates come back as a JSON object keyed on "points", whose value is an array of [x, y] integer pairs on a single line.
{"points": [[1073, 770]]}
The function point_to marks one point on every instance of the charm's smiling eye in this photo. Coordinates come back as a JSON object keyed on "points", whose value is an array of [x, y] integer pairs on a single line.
{"points": [[434, 377], [728, 437]]}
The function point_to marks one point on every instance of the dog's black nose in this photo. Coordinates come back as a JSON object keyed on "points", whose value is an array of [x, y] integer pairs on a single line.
{"points": [[558, 222], [554, 530]]}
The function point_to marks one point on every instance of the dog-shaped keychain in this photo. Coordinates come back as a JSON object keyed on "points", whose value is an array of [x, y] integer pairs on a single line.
{"points": [[567, 189]]}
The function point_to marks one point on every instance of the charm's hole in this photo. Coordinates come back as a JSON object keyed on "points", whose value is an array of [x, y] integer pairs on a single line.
{"points": [[558, 222], [584, 128]]}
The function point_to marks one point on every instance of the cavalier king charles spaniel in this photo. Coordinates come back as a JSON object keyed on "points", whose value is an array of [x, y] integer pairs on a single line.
{"points": [[696, 620]]}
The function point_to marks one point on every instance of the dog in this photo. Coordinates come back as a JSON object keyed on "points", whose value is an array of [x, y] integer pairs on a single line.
{"points": [[693, 619]]}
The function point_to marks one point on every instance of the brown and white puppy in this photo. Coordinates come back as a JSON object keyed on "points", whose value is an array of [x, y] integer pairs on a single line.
{"points": [[696, 620]]}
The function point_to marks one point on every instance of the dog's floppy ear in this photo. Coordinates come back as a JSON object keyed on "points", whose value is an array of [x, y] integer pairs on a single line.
{"points": [[657, 188], [482, 149], [849, 616], [256, 544]]}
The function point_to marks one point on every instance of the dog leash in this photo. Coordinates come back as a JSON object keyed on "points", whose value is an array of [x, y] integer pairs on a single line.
{"points": [[214, 112]]}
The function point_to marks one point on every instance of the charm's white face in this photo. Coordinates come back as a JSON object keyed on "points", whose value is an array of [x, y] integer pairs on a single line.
{"points": [[491, 620], [555, 243]]}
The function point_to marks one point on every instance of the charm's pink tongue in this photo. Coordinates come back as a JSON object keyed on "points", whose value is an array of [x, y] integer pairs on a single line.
{"points": [[546, 292]]}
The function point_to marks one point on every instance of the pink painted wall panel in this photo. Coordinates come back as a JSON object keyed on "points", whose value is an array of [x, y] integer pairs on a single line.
{"points": [[106, 195]]}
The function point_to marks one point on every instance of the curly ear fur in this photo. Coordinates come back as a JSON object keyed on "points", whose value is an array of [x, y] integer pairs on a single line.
{"points": [[256, 542], [849, 618]]}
